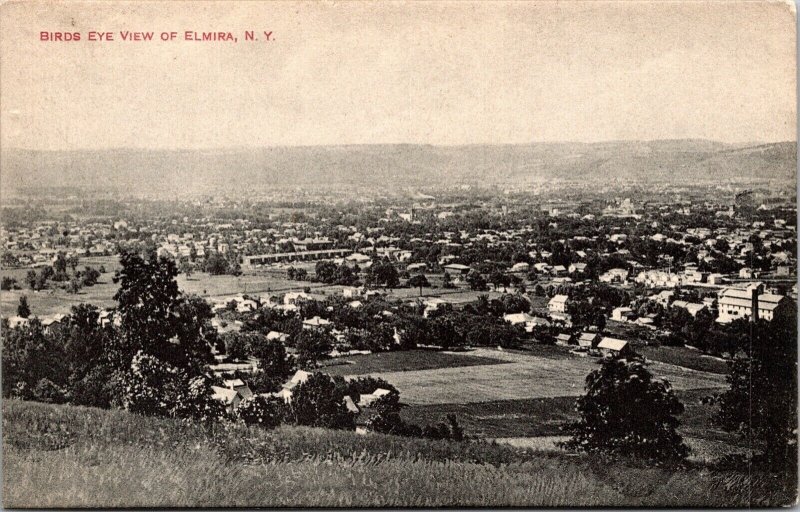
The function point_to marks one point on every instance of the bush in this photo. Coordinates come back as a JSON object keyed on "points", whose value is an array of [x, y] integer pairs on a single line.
{"points": [[259, 410], [49, 392], [95, 389]]}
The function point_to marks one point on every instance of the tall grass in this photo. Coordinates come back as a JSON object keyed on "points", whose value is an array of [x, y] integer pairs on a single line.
{"points": [[62, 456]]}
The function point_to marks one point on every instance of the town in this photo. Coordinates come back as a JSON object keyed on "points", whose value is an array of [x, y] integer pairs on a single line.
{"points": [[594, 275]]}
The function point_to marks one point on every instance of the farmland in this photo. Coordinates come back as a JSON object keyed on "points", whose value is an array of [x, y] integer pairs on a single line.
{"points": [[522, 377], [522, 394], [67, 456], [405, 361]]}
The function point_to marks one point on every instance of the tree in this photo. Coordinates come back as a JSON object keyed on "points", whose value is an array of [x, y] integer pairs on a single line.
{"points": [[476, 281], [22, 309], [325, 271], [155, 388], [761, 402], [312, 345], [186, 268], [383, 273], [216, 264], [72, 262], [238, 345], [319, 402], [60, 264], [273, 363], [90, 276], [31, 280], [156, 319], [446, 281], [418, 281], [8, 283], [625, 411]]}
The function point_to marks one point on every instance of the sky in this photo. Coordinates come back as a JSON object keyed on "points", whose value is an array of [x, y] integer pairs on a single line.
{"points": [[445, 73]]}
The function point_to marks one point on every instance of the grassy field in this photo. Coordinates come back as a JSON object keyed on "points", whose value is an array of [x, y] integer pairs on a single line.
{"points": [[64, 456], [685, 357], [535, 417], [404, 361], [257, 282], [524, 376]]}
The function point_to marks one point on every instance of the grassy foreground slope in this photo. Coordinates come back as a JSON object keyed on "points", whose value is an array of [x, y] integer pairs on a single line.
{"points": [[66, 456]]}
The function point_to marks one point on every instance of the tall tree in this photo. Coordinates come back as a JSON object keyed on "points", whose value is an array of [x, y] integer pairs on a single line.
{"points": [[761, 402], [418, 281], [156, 319], [23, 310]]}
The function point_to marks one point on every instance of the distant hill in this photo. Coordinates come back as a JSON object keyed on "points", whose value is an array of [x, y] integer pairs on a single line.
{"points": [[202, 171]]}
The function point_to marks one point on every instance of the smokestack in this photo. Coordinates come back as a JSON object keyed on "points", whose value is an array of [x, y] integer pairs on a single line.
{"points": [[754, 305]]}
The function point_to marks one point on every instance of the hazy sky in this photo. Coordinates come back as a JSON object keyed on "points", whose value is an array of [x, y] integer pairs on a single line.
{"points": [[447, 73]]}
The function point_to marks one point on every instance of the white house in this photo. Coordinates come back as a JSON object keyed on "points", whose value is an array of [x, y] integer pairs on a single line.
{"points": [[558, 304]]}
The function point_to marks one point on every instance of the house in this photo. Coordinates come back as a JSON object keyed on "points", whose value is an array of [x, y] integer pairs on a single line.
{"points": [[736, 303], [456, 269], [287, 390], [235, 391], [17, 321], [368, 399], [558, 307], [588, 340], [558, 270], [526, 320], [563, 339], [615, 275], [49, 322], [240, 387], [275, 335], [613, 346], [352, 291], [746, 273], [229, 397], [716, 279], [245, 305], [577, 268], [663, 298], [357, 259], [521, 267], [692, 307], [622, 314], [291, 298], [315, 322], [417, 267], [558, 304]]}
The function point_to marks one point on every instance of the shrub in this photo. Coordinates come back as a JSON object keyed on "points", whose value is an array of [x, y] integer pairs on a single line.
{"points": [[49, 392], [260, 410]]}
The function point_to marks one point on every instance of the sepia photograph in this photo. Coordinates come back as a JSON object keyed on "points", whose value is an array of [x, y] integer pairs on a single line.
{"points": [[398, 254]]}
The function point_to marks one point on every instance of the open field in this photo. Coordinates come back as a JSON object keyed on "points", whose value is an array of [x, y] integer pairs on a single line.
{"points": [[66, 456], [404, 361], [686, 357], [536, 417], [523, 377], [257, 282]]}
